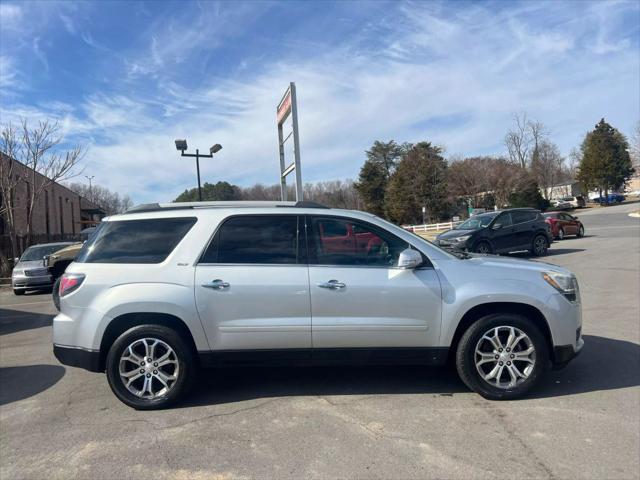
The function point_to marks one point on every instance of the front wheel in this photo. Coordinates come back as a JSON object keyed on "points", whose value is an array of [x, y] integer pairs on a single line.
{"points": [[539, 245], [581, 232], [482, 248], [150, 367], [501, 356]]}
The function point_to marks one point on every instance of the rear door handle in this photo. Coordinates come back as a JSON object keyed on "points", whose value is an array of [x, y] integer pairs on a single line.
{"points": [[217, 284], [332, 285]]}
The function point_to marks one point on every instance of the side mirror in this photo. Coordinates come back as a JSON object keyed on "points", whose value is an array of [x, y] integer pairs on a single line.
{"points": [[409, 259], [497, 226], [575, 217], [16, 260]]}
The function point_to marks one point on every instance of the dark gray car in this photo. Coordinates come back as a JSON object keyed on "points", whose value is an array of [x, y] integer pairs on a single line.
{"points": [[501, 231]]}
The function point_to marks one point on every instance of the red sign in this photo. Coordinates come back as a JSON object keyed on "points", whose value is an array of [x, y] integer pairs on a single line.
{"points": [[285, 107]]}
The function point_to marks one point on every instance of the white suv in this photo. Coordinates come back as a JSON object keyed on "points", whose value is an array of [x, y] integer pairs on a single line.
{"points": [[163, 289]]}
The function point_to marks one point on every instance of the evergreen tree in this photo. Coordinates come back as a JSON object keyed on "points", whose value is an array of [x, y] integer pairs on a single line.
{"points": [[211, 192], [605, 164], [420, 180], [371, 187]]}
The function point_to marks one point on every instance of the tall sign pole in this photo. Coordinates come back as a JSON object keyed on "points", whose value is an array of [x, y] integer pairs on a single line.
{"points": [[289, 106]]}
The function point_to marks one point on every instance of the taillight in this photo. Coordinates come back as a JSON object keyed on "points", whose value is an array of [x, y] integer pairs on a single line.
{"points": [[70, 282]]}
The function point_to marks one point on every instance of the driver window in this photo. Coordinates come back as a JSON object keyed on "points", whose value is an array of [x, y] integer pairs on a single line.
{"points": [[335, 241]]}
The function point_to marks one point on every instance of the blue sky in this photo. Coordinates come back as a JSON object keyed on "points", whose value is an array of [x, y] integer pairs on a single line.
{"points": [[127, 78]]}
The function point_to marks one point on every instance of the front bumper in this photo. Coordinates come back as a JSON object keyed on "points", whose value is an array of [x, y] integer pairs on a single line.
{"points": [[563, 354], [24, 282], [457, 246], [78, 357]]}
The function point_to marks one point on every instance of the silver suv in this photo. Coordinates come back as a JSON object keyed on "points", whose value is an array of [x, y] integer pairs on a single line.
{"points": [[164, 289]]}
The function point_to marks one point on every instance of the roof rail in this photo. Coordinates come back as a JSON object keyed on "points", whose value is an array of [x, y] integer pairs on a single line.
{"points": [[158, 207]]}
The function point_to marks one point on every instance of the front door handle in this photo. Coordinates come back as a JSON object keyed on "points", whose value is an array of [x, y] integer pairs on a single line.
{"points": [[332, 285], [217, 284]]}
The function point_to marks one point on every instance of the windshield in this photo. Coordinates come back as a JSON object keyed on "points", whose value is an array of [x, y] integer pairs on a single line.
{"points": [[37, 252], [567, 199], [477, 222]]}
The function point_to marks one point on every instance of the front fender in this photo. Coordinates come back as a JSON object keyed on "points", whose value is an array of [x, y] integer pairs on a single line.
{"points": [[457, 302]]}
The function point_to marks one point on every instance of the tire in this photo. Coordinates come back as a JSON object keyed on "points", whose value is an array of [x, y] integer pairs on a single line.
{"points": [[55, 293], [18, 292], [561, 234], [539, 245], [475, 337], [182, 363], [482, 247], [580, 233]]}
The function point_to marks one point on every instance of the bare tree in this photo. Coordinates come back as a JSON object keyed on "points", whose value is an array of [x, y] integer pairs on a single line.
{"points": [[39, 150], [634, 148], [518, 140], [547, 166], [111, 202], [524, 139]]}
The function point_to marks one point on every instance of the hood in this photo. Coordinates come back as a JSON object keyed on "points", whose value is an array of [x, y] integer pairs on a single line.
{"points": [[515, 263], [454, 233], [29, 264]]}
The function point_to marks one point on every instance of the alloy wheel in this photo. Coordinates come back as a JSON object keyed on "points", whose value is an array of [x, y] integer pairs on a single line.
{"points": [[540, 245], [505, 357], [483, 248], [561, 234], [149, 368]]}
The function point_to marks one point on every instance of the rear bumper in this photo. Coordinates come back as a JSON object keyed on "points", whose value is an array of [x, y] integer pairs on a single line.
{"points": [[563, 354], [78, 357]]}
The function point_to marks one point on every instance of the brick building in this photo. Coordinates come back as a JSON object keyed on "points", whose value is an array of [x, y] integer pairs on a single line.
{"points": [[59, 214]]}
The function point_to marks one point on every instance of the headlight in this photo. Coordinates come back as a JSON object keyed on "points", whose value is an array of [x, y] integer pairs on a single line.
{"points": [[567, 285], [463, 238], [16, 272]]}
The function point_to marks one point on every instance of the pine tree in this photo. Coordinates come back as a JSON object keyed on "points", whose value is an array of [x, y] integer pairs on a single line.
{"points": [[371, 187], [605, 164], [420, 180]]}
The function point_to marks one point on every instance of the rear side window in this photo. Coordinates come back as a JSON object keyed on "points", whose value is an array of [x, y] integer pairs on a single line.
{"points": [[256, 239], [135, 241], [521, 216]]}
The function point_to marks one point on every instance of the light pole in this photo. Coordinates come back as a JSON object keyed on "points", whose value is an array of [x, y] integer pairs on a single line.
{"points": [[181, 146], [90, 187]]}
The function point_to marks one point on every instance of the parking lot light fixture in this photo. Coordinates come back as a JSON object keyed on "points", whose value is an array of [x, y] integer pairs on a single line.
{"points": [[181, 146]]}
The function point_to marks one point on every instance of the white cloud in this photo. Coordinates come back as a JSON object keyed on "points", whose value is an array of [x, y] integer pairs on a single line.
{"points": [[9, 12]]}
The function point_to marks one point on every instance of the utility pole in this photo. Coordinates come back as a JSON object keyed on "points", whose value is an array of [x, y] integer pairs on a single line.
{"points": [[90, 186]]}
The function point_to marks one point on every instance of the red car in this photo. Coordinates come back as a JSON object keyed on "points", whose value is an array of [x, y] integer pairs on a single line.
{"points": [[563, 224]]}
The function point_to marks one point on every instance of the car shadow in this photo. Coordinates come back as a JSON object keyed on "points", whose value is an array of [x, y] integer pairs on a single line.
{"points": [[550, 253], [605, 364], [12, 321], [23, 382]]}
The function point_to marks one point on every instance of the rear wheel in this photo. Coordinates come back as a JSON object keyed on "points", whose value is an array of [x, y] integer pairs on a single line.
{"points": [[482, 247], [561, 234], [501, 356], [539, 245], [150, 367]]}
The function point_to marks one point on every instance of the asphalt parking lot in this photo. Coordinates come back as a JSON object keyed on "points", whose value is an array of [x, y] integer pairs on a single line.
{"points": [[581, 422]]}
